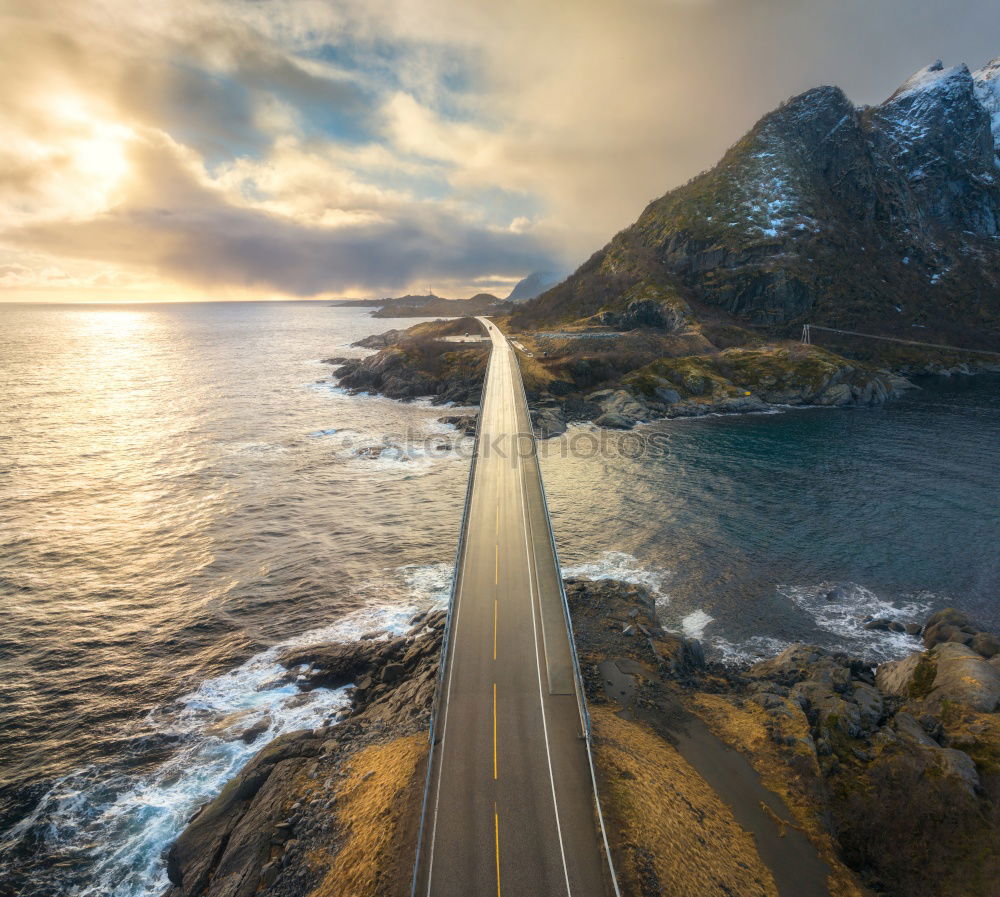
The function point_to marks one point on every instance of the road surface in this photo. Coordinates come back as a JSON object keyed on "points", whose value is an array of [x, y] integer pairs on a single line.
{"points": [[510, 807]]}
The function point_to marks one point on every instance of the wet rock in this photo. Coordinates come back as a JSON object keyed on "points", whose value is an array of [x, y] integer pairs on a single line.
{"points": [[548, 422], [465, 423], [614, 421], [227, 849], [256, 730], [330, 666]]}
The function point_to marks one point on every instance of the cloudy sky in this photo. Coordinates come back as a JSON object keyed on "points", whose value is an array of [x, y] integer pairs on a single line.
{"points": [[231, 149]]}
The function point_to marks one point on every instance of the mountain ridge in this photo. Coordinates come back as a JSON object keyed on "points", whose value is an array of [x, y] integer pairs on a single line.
{"points": [[883, 217]]}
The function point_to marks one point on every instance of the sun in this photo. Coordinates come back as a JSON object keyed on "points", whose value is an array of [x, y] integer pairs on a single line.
{"points": [[92, 158]]}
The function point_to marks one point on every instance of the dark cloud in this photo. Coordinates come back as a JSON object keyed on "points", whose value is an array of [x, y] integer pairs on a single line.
{"points": [[189, 233]]}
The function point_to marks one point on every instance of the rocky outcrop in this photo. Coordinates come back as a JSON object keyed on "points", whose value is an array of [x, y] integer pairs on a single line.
{"points": [[950, 625], [736, 381], [380, 340], [395, 372], [466, 424], [882, 778], [948, 672], [420, 363], [648, 305], [892, 770], [263, 833]]}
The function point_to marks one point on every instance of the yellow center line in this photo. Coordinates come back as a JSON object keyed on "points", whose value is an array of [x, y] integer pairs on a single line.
{"points": [[494, 730], [498, 565], [494, 628], [496, 830]]}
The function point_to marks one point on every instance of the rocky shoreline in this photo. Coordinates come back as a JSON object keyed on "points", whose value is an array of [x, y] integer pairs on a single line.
{"points": [[414, 363], [329, 811], [809, 773]]}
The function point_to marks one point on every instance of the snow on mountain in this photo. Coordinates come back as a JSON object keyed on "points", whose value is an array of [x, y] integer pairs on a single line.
{"points": [[831, 211], [934, 77], [987, 84]]}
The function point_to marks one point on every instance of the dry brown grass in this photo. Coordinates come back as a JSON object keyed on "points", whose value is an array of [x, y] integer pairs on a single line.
{"points": [[536, 376], [376, 810], [787, 772], [675, 836]]}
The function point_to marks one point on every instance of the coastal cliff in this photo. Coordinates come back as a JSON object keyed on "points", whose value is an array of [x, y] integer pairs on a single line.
{"points": [[808, 773]]}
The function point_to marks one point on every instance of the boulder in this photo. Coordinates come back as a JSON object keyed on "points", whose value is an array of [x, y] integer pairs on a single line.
{"points": [[948, 671], [623, 403], [666, 394], [905, 725], [871, 707], [548, 422], [393, 673], [466, 423], [947, 625], [950, 761], [966, 678], [613, 421], [985, 644], [837, 394], [895, 677], [961, 766]]}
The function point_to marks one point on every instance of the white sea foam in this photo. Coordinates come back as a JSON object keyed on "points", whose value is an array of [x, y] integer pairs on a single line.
{"points": [[409, 458], [842, 610], [751, 650], [619, 565], [120, 825], [693, 625], [426, 404], [839, 613]]}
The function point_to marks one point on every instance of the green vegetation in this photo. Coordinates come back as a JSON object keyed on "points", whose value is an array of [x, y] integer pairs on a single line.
{"points": [[923, 676], [766, 371]]}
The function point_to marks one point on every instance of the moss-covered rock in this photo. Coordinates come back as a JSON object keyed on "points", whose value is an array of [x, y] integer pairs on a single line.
{"points": [[786, 374]]}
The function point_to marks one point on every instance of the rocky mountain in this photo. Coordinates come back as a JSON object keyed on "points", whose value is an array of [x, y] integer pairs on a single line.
{"points": [[533, 285], [881, 219]]}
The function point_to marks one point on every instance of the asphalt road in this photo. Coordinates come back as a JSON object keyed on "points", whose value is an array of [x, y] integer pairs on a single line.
{"points": [[511, 805]]}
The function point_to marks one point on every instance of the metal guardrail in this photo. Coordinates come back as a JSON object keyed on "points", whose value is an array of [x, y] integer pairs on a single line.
{"points": [[581, 695], [446, 639], [808, 328]]}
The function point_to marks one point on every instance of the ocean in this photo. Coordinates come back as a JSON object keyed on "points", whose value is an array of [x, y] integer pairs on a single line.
{"points": [[183, 492]]}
